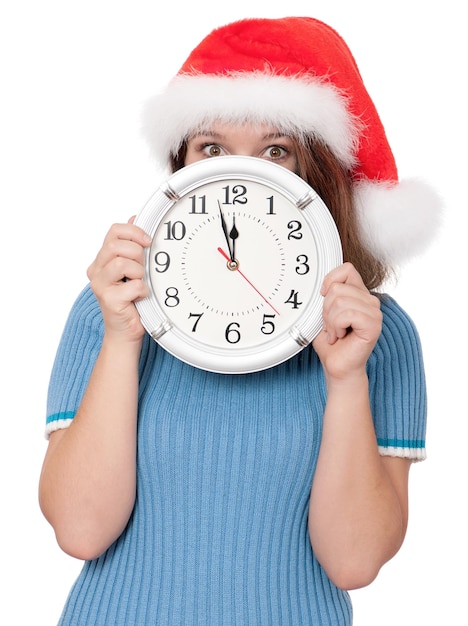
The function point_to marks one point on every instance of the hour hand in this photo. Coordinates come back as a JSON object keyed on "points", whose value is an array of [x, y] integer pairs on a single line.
{"points": [[234, 234]]}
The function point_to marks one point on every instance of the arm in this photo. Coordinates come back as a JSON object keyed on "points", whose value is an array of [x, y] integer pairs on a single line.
{"points": [[358, 507], [87, 484]]}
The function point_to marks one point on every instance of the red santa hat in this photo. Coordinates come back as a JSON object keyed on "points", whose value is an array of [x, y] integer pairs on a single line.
{"points": [[298, 74]]}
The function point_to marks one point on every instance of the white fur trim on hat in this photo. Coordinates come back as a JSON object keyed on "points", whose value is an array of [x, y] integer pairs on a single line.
{"points": [[292, 104]]}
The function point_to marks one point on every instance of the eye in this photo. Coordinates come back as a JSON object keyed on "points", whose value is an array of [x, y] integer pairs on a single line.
{"points": [[212, 150], [275, 152]]}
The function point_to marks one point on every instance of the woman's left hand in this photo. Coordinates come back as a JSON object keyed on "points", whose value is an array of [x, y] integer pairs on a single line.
{"points": [[352, 323], [359, 502]]}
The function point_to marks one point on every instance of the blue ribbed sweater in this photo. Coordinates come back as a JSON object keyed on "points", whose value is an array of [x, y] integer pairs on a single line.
{"points": [[218, 535]]}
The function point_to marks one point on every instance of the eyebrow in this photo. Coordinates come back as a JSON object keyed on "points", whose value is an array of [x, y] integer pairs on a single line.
{"points": [[206, 133], [220, 136]]}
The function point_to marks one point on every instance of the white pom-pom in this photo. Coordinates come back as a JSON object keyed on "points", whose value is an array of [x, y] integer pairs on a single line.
{"points": [[397, 221]]}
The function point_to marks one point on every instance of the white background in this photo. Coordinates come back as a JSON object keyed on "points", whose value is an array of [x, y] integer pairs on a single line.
{"points": [[73, 78]]}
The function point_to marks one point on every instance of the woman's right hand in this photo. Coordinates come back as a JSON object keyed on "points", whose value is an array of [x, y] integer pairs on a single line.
{"points": [[116, 277]]}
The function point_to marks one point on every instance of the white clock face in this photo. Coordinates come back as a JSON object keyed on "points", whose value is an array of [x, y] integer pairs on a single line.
{"points": [[235, 267]]}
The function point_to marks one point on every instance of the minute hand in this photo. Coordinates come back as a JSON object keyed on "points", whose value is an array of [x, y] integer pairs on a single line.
{"points": [[224, 227]]}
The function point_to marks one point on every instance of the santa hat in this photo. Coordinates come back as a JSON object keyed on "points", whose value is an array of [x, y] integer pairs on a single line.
{"points": [[298, 74]]}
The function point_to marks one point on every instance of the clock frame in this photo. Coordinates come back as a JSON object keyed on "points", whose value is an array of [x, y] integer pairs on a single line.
{"points": [[240, 247]]}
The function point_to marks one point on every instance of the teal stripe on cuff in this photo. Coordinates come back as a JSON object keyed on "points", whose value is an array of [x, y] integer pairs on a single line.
{"points": [[66, 415], [401, 443]]}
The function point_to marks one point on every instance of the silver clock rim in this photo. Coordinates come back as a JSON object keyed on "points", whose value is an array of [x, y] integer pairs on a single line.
{"points": [[239, 360]]}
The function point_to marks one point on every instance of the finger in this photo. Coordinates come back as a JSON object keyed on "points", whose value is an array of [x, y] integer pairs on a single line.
{"points": [[114, 260], [122, 269], [122, 240], [125, 292], [129, 232], [341, 295], [346, 274], [351, 310], [365, 322]]}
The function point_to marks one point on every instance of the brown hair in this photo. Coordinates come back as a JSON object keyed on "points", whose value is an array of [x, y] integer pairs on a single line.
{"points": [[318, 166]]}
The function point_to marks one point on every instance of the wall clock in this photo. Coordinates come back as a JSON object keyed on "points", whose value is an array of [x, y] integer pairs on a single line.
{"points": [[240, 246]]}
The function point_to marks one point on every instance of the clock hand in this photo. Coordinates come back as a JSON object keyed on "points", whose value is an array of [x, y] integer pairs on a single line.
{"points": [[224, 227], [234, 234], [234, 266]]}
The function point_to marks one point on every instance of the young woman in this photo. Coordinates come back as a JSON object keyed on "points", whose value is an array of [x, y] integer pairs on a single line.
{"points": [[203, 498]]}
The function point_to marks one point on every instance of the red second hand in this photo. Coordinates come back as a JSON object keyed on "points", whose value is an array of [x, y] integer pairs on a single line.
{"points": [[245, 278]]}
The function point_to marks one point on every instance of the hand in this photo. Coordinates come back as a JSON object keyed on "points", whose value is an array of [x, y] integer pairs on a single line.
{"points": [[234, 266], [234, 234], [352, 323], [116, 277], [231, 237]]}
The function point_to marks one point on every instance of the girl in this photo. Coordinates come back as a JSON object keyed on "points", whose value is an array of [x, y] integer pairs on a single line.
{"points": [[257, 499]]}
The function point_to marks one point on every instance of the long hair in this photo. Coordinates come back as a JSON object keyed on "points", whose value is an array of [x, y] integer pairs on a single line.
{"points": [[318, 166]]}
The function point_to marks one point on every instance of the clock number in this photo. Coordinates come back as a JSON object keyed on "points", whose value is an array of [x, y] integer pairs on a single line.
{"points": [[198, 317], [303, 267], [162, 260], [232, 335], [270, 206], [201, 203], [293, 299], [238, 193], [295, 227], [268, 327], [172, 298], [174, 230]]}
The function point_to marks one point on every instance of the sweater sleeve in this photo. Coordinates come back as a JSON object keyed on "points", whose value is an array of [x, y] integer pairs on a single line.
{"points": [[77, 352], [398, 385]]}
